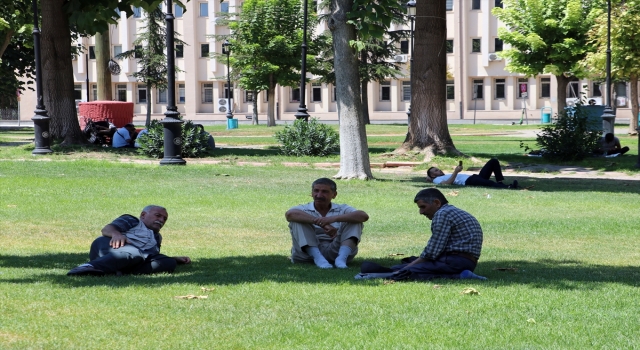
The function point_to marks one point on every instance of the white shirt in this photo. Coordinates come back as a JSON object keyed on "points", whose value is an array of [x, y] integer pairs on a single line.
{"points": [[460, 179]]}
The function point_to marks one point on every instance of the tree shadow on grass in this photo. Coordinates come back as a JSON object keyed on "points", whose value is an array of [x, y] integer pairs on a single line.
{"points": [[550, 274]]}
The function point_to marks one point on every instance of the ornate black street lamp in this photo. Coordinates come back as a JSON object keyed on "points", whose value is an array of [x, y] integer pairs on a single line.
{"points": [[171, 123], [608, 118], [302, 108], [41, 118], [226, 49], [411, 12]]}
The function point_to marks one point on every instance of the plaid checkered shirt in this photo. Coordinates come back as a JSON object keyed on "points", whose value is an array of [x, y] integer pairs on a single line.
{"points": [[453, 230]]}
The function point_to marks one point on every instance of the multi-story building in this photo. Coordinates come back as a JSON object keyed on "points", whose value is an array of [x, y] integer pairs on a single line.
{"points": [[481, 87]]}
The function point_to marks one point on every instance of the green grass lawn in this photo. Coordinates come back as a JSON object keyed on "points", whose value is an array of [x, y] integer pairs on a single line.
{"points": [[570, 246]]}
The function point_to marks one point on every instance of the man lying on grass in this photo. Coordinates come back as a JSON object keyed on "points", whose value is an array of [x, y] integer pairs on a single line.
{"points": [[438, 177], [129, 245], [452, 251]]}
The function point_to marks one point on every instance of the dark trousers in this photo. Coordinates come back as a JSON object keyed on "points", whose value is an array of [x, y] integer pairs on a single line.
{"points": [[127, 259], [445, 266], [482, 179]]}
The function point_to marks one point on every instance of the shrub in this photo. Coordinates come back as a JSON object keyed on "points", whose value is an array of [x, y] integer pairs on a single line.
{"points": [[194, 140], [308, 139], [572, 137]]}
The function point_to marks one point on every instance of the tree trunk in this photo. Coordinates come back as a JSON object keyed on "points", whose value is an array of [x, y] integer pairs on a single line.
{"points": [[57, 74], [254, 120], [271, 97], [7, 41], [354, 151], [562, 92], [103, 54], [428, 127], [633, 122]]}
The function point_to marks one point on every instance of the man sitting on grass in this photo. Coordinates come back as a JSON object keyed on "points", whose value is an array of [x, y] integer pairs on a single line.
{"points": [[610, 145], [129, 245], [438, 177], [452, 251], [323, 232]]}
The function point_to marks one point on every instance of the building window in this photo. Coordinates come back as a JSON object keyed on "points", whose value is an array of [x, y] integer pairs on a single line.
{"points": [[500, 92], [385, 91], [449, 5], [498, 3], [449, 44], [181, 93], [450, 90], [142, 93], [137, 12], [406, 91], [92, 52], [333, 96], [475, 4], [117, 50], [204, 9], [295, 95], [94, 91], [179, 51], [477, 89], [77, 92], [162, 96], [573, 89], [497, 43], [137, 53], [224, 7], [178, 11], [595, 92], [316, 92], [621, 89], [121, 92], [248, 96], [545, 87], [204, 50], [207, 93], [523, 87], [227, 93], [475, 45], [404, 46]]}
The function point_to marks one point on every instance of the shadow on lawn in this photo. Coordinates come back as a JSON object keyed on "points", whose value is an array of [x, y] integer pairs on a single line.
{"points": [[552, 274]]}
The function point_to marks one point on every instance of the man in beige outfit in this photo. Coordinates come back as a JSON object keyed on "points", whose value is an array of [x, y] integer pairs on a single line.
{"points": [[325, 232]]}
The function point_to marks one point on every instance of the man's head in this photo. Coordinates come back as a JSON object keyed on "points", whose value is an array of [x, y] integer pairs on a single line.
{"points": [[154, 217], [323, 190], [608, 137], [429, 201], [434, 172], [130, 127]]}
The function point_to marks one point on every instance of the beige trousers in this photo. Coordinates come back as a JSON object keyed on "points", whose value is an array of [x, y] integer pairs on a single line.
{"points": [[304, 235]]}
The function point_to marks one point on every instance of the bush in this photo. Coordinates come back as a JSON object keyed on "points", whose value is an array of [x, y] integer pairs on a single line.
{"points": [[194, 140], [308, 139], [572, 137]]}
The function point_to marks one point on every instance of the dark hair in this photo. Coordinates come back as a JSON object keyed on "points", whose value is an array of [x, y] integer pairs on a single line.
{"points": [[429, 172], [428, 195], [325, 181], [608, 137]]}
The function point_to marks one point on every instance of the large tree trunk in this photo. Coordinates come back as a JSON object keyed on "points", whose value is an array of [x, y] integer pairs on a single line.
{"points": [[7, 41], [254, 119], [103, 54], [354, 151], [57, 74], [562, 92], [633, 122], [428, 128], [271, 102]]}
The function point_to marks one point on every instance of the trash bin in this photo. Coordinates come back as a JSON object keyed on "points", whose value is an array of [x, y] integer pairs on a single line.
{"points": [[546, 114], [232, 123], [594, 116]]}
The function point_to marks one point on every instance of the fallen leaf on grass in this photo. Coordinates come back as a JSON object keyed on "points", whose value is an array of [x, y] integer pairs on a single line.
{"points": [[531, 320], [453, 193], [191, 296], [437, 286], [470, 291], [514, 269], [11, 205], [389, 282], [205, 289], [396, 254], [487, 195]]}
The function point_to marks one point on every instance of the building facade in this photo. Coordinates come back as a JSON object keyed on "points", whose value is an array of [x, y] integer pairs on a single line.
{"points": [[481, 88]]}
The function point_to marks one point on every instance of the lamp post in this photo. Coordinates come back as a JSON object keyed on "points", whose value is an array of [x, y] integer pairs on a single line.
{"points": [[41, 118], [411, 12], [607, 116], [302, 108], [226, 49], [171, 123]]}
